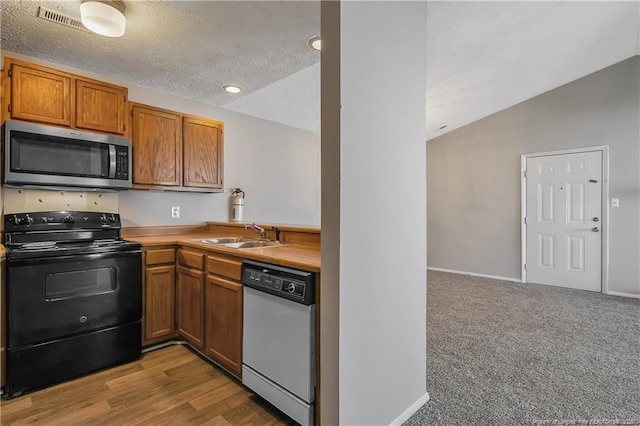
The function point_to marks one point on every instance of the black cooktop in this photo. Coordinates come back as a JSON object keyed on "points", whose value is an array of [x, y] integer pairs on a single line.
{"points": [[61, 233]]}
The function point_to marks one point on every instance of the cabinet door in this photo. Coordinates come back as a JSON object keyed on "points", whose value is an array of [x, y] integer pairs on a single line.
{"points": [[224, 323], [40, 95], [156, 144], [159, 311], [190, 294], [100, 106], [202, 141]]}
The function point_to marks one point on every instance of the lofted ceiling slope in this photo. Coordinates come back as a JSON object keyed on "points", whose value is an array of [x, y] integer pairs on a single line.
{"points": [[483, 57]]}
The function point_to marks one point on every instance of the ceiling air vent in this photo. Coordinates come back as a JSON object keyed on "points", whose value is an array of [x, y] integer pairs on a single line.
{"points": [[59, 18]]}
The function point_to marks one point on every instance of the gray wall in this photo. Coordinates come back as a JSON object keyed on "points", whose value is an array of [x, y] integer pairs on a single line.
{"points": [[473, 174], [373, 135]]}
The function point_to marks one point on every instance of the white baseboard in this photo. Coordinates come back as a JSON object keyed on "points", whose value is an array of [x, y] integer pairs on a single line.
{"points": [[517, 280], [473, 274], [411, 410], [615, 293]]}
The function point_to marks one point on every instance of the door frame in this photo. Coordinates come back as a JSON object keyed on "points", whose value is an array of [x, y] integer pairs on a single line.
{"points": [[604, 149]]}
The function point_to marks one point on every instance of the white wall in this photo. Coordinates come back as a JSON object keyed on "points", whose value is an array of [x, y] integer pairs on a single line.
{"points": [[474, 174], [379, 246], [276, 165]]}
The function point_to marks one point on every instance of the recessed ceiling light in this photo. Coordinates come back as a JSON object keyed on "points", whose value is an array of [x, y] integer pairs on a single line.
{"points": [[315, 43], [232, 88]]}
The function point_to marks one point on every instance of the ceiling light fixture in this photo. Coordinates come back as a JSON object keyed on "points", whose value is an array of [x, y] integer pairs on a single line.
{"points": [[315, 43], [232, 88], [104, 17]]}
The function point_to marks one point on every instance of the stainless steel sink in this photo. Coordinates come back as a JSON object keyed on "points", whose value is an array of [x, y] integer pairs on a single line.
{"points": [[237, 242], [252, 244], [221, 240]]}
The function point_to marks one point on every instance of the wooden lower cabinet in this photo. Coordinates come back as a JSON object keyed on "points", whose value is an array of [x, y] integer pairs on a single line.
{"points": [[190, 299], [159, 290], [223, 325], [201, 302], [160, 305]]}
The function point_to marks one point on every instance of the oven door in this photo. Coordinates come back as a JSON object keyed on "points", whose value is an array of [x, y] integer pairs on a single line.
{"points": [[53, 297]]}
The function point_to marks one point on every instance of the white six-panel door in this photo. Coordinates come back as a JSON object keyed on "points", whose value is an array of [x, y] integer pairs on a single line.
{"points": [[563, 220]]}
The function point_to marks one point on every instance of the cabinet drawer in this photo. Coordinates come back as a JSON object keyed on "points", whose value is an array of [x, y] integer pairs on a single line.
{"points": [[226, 266], [191, 259], [156, 257]]}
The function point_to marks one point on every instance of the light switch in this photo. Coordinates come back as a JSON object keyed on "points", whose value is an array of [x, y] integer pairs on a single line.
{"points": [[615, 202]]}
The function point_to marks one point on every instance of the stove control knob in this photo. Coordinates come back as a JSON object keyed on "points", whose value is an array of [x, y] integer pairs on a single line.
{"points": [[29, 220], [15, 220], [112, 218], [103, 219], [291, 288], [69, 219]]}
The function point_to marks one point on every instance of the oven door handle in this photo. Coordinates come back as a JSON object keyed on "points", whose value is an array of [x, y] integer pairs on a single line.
{"points": [[72, 257], [112, 161]]}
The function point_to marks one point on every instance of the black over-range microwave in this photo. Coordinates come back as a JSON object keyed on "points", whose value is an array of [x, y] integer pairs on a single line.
{"points": [[45, 156]]}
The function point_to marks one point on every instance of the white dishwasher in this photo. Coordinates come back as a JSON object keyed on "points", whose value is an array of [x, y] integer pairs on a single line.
{"points": [[278, 353]]}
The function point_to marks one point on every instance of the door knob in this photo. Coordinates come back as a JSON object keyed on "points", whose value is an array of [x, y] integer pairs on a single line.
{"points": [[595, 219], [595, 229]]}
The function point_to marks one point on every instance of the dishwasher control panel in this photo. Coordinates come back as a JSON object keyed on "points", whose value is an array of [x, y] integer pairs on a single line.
{"points": [[291, 284]]}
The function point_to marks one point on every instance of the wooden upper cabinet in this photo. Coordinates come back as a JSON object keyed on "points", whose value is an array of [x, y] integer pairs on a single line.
{"points": [[156, 145], [40, 94], [46, 95], [100, 106], [176, 152], [202, 150]]}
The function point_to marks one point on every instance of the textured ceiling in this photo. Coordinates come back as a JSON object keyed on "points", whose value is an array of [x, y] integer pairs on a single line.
{"points": [[190, 48], [482, 57]]}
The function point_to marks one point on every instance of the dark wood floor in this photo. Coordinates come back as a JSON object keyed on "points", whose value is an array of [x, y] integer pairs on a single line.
{"points": [[172, 386]]}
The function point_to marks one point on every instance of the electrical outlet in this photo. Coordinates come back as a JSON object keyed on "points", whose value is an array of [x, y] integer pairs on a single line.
{"points": [[175, 212]]}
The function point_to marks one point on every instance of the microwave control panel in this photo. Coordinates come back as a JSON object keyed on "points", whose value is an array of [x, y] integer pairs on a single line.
{"points": [[122, 162]]}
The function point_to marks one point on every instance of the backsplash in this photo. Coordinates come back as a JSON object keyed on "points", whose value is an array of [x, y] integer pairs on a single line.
{"points": [[36, 200]]}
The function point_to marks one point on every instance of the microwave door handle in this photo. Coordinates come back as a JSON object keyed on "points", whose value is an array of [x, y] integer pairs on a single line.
{"points": [[112, 161]]}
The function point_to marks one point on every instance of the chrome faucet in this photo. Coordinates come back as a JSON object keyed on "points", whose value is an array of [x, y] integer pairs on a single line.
{"points": [[258, 229]]}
